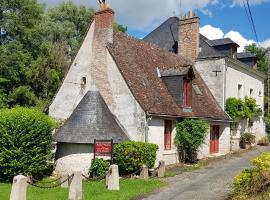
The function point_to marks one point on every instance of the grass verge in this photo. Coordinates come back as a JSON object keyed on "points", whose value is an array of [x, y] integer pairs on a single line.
{"points": [[260, 196], [129, 189]]}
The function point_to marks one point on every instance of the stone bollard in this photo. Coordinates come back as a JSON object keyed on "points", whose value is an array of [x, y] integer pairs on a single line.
{"points": [[66, 183], [75, 189], [144, 172], [112, 180], [161, 169], [19, 188]]}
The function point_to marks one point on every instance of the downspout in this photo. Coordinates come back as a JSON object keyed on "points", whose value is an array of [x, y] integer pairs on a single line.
{"points": [[148, 118]]}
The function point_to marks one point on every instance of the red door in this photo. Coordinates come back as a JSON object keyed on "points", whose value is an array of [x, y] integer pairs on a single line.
{"points": [[214, 139]]}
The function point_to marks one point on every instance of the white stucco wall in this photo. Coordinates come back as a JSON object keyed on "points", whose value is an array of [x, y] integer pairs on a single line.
{"points": [[72, 157], [156, 136], [215, 82], [234, 76], [94, 62], [225, 85], [224, 142], [71, 91]]}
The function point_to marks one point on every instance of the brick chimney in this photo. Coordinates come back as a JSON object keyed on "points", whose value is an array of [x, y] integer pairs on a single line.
{"points": [[189, 36], [104, 19]]}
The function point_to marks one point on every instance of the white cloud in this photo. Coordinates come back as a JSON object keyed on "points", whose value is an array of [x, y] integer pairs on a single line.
{"points": [[251, 2], [265, 44], [239, 39], [211, 32], [145, 15], [216, 33]]}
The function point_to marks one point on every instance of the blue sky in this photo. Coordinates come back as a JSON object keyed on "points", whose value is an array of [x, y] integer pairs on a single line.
{"points": [[219, 18]]}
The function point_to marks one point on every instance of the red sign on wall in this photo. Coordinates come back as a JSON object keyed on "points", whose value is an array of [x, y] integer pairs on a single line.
{"points": [[103, 148]]}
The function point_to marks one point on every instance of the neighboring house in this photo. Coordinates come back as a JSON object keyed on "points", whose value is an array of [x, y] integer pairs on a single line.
{"points": [[140, 93], [226, 72]]}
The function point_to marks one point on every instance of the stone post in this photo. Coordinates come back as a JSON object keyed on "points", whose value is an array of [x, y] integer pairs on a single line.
{"points": [[112, 179], [64, 184], [144, 172], [19, 188], [75, 190], [161, 169]]}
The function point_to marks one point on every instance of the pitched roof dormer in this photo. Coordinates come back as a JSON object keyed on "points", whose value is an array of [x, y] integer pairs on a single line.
{"points": [[225, 46]]}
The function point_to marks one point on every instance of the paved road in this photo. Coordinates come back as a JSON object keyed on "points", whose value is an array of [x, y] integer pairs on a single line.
{"points": [[211, 183]]}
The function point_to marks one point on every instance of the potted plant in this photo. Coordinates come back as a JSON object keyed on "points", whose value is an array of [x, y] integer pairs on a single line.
{"points": [[246, 140]]}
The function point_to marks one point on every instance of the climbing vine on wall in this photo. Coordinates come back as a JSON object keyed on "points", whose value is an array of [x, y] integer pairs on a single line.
{"points": [[242, 109]]}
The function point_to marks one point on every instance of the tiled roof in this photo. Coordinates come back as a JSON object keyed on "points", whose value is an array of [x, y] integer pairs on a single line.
{"points": [[221, 42], [91, 120], [138, 63], [245, 55]]}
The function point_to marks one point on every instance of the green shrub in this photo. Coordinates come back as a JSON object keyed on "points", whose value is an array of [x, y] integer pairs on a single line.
{"points": [[190, 135], [247, 138], [255, 179], [264, 141], [243, 182], [237, 108], [25, 142], [99, 167], [130, 156]]}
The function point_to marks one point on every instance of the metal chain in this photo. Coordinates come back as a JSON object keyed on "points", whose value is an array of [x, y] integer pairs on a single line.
{"points": [[99, 178], [51, 181], [51, 186]]}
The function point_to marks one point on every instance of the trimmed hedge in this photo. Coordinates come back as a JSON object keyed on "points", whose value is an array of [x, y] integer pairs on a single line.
{"points": [[25, 142], [130, 156]]}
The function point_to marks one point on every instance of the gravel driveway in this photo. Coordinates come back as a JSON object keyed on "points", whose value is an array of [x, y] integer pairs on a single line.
{"points": [[211, 183]]}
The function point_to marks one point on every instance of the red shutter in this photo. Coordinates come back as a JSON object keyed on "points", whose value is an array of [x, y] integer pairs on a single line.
{"points": [[187, 93], [168, 135]]}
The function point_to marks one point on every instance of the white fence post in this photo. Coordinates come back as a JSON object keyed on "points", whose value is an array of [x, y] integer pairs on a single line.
{"points": [[19, 188], [112, 178], [161, 169], [75, 190]]}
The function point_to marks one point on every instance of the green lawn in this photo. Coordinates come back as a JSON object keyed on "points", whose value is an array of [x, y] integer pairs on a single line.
{"points": [[92, 190]]}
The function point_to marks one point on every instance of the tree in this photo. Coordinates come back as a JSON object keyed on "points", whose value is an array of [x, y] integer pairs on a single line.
{"points": [[262, 66], [261, 55], [36, 47]]}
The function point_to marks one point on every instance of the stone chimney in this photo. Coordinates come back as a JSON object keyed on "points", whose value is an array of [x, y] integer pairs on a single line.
{"points": [[189, 36]]}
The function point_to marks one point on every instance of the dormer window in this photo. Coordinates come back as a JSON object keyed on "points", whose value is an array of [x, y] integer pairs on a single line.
{"points": [[187, 93]]}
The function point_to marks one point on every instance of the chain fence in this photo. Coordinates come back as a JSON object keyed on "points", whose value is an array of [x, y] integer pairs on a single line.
{"points": [[36, 184]]}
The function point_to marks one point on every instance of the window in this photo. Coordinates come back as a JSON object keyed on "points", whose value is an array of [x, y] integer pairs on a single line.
{"points": [[187, 93], [167, 135], [251, 92], [240, 91]]}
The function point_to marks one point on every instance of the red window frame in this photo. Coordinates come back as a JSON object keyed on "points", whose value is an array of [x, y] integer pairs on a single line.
{"points": [[167, 134], [187, 93]]}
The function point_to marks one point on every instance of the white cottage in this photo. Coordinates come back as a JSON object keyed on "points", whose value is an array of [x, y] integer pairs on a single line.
{"points": [[146, 90], [225, 72]]}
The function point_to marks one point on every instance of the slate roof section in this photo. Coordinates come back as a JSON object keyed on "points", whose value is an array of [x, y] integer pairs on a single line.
{"points": [[174, 71], [166, 35], [91, 120], [245, 55], [138, 62], [222, 42]]}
